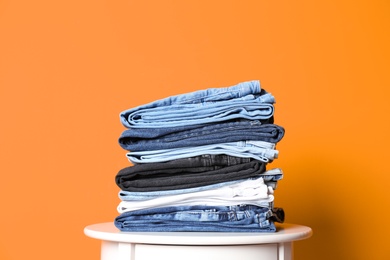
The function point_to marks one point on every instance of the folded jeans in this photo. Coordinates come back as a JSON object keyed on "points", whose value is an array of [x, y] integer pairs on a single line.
{"points": [[146, 139], [269, 176], [187, 173], [248, 192], [258, 150], [243, 101], [239, 218]]}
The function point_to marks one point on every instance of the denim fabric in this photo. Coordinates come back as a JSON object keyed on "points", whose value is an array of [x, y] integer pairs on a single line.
{"points": [[138, 139], [249, 192], [272, 175], [245, 100], [156, 132], [187, 173], [127, 206], [272, 184], [257, 150], [246, 218]]}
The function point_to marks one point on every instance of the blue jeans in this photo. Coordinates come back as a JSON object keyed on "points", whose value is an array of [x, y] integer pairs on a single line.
{"points": [[272, 175], [245, 100], [257, 150], [156, 132], [247, 218], [147, 139]]}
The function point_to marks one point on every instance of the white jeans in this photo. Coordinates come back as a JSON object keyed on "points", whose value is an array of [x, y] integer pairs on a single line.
{"points": [[250, 192]]}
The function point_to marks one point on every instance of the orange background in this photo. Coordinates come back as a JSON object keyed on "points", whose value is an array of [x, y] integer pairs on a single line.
{"points": [[67, 68]]}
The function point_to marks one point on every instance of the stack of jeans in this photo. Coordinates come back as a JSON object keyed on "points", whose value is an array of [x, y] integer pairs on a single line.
{"points": [[199, 163]]}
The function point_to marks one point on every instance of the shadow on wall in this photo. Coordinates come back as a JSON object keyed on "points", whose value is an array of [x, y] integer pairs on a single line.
{"points": [[316, 197]]}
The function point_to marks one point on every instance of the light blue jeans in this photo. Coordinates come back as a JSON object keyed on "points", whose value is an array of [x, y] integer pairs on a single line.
{"points": [[272, 175], [258, 150], [245, 100], [246, 218]]}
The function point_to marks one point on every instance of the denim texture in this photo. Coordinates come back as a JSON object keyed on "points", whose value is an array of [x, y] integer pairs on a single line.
{"points": [[257, 150], [243, 101], [200, 163], [187, 173], [242, 218], [272, 175], [156, 132], [249, 192], [145, 139]]}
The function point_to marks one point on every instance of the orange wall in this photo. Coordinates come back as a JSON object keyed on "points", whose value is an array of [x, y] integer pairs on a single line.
{"points": [[67, 68]]}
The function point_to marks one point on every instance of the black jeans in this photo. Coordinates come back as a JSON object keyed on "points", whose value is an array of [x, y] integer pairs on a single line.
{"points": [[187, 172]]}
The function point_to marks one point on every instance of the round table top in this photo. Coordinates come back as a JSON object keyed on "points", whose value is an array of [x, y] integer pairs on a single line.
{"points": [[284, 233]]}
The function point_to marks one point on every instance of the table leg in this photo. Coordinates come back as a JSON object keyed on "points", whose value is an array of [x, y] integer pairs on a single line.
{"points": [[285, 251], [116, 251]]}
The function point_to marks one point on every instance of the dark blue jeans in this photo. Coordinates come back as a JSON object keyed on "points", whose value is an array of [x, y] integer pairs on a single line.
{"points": [[149, 139], [243, 218]]}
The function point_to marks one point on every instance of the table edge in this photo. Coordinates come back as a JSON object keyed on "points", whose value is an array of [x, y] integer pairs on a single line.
{"points": [[285, 233]]}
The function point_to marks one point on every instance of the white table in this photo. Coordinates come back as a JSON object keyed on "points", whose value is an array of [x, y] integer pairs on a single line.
{"points": [[117, 245]]}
